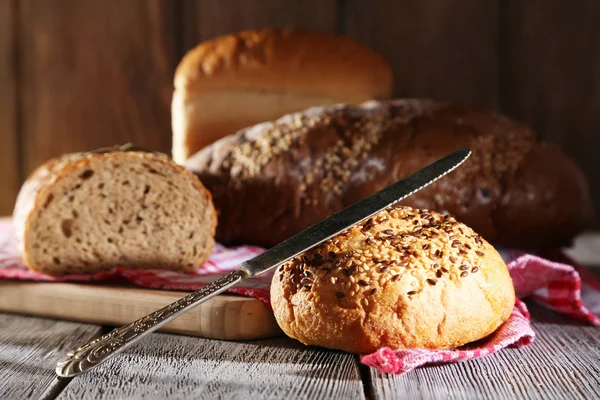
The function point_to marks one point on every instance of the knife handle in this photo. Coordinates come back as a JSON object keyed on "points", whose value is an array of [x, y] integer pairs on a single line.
{"points": [[100, 349]]}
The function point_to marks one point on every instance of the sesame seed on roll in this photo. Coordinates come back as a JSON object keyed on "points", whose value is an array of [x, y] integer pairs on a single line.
{"points": [[405, 278]]}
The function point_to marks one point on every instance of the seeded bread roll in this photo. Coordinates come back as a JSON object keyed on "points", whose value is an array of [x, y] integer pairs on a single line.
{"points": [[85, 213], [241, 79], [403, 279], [275, 179]]}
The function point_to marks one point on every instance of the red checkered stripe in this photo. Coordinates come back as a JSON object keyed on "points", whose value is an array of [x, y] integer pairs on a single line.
{"points": [[556, 285]]}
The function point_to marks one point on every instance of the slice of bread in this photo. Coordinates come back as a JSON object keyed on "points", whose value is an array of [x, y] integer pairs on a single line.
{"points": [[90, 212]]}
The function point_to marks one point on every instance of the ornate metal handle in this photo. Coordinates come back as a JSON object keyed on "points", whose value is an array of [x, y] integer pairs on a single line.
{"points": [[98, 350]]}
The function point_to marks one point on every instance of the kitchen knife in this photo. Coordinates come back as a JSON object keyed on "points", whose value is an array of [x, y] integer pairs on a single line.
{"points": [[98, 350]]}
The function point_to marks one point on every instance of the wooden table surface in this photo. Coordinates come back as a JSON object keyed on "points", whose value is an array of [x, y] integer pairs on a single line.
{"points": [[562, 363]]}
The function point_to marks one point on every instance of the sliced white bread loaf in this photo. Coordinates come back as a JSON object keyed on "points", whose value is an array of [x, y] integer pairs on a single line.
{"points": [[89, 212]]}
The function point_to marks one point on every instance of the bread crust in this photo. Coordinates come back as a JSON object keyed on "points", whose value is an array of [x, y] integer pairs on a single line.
{"points": [[40, 183], [286, 60], [28, 199], [241, 79], [275, 179], [404, 279]]}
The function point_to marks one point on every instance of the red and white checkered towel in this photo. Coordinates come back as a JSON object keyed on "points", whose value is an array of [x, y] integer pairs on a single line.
{"points": [[556, 284]]}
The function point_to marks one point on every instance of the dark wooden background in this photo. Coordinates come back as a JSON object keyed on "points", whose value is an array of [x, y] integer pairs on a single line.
{"points": [[79, 74]]}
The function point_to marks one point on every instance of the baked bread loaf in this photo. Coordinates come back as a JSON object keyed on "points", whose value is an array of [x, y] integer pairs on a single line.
{"points": [[89, 212], [403, 279], [238, 80], [275, 179]]}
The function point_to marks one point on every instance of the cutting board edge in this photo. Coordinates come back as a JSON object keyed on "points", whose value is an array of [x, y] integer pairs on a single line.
{"points": [[224, 317]]}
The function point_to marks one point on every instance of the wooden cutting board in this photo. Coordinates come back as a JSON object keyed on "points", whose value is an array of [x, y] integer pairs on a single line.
{"points": [[227, 317]]}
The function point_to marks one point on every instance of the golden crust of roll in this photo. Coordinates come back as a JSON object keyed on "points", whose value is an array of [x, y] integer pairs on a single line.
{"points": [[406, 278]]}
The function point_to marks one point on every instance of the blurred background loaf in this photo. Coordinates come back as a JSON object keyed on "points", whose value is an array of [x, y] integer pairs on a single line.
{"points": [[78, 75], [237, 80]]}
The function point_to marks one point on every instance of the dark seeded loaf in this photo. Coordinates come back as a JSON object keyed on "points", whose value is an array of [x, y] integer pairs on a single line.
{"points": [[274, 179], [85, 213]]}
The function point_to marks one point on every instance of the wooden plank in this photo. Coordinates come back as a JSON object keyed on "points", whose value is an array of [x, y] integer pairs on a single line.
{"points": [[436, 48], [563, 362], [168, 366], [550, 76], [95, 74], [9, 168], [221, 317], [205, 19], [29, 350]]}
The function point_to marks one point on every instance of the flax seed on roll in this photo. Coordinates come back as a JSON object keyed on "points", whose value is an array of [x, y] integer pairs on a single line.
{"points": [[241, 79], [405, 278]]}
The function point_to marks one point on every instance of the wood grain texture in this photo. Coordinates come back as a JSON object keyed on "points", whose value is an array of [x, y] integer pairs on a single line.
{"points": [[29, 350], [175, 367], [436, 48], [9, 167], [205, 19], [95, 74], [222, 317], [562, 363], [550, 76]]}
